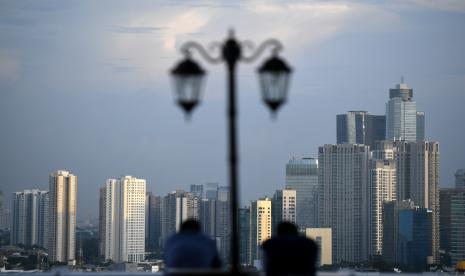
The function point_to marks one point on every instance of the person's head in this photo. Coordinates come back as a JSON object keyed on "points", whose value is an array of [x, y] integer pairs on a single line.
{"points": [[190, 225], [287, 228]]}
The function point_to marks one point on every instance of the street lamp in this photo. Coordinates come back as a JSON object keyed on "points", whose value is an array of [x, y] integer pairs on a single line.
{"points": [[188, 79]]}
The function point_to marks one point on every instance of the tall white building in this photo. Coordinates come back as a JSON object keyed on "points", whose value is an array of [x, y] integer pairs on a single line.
{"points": [[123, 224], [284, 207], [403, 122], [302, 176], [383, 186], [30, 223], [62, 217], [322, 237], [344, 199]]}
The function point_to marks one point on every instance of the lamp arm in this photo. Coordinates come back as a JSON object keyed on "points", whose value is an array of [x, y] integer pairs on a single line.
{"points": [[190, 45], [274, 43]]}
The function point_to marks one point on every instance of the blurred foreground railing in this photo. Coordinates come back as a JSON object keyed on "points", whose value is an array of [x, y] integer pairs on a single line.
{"points": [[211, 273]]}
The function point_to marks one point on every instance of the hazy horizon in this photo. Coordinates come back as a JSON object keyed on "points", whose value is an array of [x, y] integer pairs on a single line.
{"points": [[84, 87]]}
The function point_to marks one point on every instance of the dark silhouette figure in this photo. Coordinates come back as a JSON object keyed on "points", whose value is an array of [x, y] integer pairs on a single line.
{"points": [[288, 253], [190, 248]]}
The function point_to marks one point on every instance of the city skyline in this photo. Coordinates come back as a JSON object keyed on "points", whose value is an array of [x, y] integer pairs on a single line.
{"points": [[103, 91]]}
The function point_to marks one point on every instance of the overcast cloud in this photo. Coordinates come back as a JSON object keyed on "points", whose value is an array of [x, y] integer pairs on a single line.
{"points": [[84, 86]]}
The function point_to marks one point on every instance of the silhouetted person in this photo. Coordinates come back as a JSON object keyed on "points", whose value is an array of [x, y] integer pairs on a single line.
{"points": [[288, 253], [190, 248]]}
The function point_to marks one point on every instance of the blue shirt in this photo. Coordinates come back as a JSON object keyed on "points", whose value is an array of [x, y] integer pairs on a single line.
{"points": [[191, 250]]}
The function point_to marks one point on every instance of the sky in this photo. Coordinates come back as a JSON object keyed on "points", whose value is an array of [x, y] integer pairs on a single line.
{"points": [[85, 87]]}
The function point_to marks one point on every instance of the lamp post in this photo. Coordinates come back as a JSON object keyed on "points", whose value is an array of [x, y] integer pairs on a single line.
{"points": [[188, 80]]}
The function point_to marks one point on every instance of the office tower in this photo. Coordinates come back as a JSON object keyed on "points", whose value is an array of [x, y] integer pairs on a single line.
{"points": [[30, 209], [445, 201], [62, 217], [401, 114], [244, 235], [176, 207], [407, 235], [302, 176], [390, 229], [152, 223], [418, 177], [322, 237], [260, 226], [383, 186], [360, 127], [414, 238], [283, 207], [211, 190], [420, 126], [457, 227], [124, 223], [344, 199], [460, 179], [197, 190]]}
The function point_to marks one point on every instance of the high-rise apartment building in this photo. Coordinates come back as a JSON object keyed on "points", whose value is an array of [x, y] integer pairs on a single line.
{"points": [[383, 187], [152, 223], [360, 127], [302, 176], [402, 115], [124, 219], [283, 207], [457, 227], [244, 235], [223, 222], [30, 217], [418, 180], [460, 179], [260, 226], [176, 207], [62, 217], [344, 199]]}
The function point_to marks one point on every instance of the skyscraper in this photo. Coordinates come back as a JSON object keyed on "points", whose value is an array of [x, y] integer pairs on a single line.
{"points": [[30, 223], [283, 207], [360, 127], [223, 222], [418, 180], [302, 176], [420, 126], [260, 226], [383, 187], [62, 217], [401, 114], [457, 227], [244, 234], [176, 207], [460, 179], [344, 199], [445, 218], [124, 223], [153, 223], [391, 211], [197, 190]]}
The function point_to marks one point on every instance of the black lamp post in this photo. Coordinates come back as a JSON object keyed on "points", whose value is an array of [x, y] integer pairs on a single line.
{"points": [[188, 79]]}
